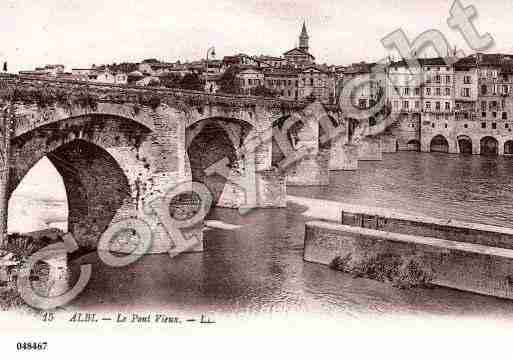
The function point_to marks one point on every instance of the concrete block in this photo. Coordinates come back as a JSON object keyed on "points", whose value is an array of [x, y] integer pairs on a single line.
{"points": [[464, 266]]}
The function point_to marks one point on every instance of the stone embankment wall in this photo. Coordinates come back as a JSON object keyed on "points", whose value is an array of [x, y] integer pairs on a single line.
{"points": [[465, 266]]}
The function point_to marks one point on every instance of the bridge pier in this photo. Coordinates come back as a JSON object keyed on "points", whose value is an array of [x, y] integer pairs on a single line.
{"points": [[344, 157], [388, 144], [310, 170], [5, 166], [369, 149]]}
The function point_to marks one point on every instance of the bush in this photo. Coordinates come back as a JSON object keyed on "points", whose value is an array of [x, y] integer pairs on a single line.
{"points": [[228, 82], [402, 272]]}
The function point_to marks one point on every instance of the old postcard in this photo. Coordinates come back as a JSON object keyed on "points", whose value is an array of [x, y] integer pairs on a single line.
{"points": [[249, 178]]}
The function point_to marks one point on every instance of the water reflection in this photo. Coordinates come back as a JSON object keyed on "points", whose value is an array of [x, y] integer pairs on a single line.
{"points": [[258, 266]]}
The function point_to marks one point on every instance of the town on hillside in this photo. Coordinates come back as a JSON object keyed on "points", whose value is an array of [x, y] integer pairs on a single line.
{"points": [[472, 95]]}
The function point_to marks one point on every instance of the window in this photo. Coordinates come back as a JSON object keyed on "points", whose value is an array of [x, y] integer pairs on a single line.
{"points": [[437, 78], [417, 104], [504, 115], [396, 104], [483, 114], [447, 106], [438, 91], [465, 125], [433, 125], [494, 114], [467, 79], [428, 91], [437, 105], [484, 89], [494, 125], [406, 91], [505, 89], [483, 124], [311, 82], [506, 125], [447, 91], [447, 79], [405, 105], [428, 105], [465, 92], [445, 126], [483, 105], [417, 91]]}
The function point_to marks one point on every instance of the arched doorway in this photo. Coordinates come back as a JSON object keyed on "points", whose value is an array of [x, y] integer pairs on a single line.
{"points": [[508, 147], [439, 144], [465, 144], [413, 145], [489, 146]]}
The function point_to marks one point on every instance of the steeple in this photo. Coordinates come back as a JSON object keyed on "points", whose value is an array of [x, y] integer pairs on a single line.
{"points": [[303, 38]]}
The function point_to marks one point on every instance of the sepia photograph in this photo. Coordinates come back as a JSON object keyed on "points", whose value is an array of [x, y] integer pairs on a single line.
{"points": [[250, 177]]}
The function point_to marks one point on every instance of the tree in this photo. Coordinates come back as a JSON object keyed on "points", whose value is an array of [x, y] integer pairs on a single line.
{"points": [[191, 82], [154, 83], [228, 82], [263, 91], [171, 80]]}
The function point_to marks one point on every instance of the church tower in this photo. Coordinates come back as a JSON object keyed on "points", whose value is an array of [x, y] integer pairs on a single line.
{"points": [[303, 39]]}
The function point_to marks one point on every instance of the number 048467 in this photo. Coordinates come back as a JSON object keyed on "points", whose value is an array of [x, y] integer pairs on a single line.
{"points": [[32, 345]]}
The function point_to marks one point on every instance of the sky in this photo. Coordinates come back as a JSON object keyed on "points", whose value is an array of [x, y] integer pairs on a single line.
{"points": [[82, 33]]}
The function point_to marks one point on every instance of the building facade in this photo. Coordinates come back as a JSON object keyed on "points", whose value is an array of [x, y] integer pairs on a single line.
{"points": [[465, 106], [284, 81], [250, 79]]}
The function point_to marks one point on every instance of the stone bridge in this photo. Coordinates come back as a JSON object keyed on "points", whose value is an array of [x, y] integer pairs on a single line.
{"points": [[117, 148]]}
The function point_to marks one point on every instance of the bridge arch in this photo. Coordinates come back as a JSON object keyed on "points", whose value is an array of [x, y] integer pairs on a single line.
{"points": [[489, 146], [211, 141], [439, 144], [100, 161], [464, 144], [31, 117]]}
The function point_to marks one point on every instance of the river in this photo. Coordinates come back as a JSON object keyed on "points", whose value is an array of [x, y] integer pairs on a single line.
{"points": [[254, 265]]}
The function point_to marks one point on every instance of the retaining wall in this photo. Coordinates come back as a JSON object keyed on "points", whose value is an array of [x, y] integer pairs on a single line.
{"points": [[465, 266]]}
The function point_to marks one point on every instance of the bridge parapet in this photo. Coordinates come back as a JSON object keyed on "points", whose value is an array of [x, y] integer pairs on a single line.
{"points": [[39, 101], [57, 90]]}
